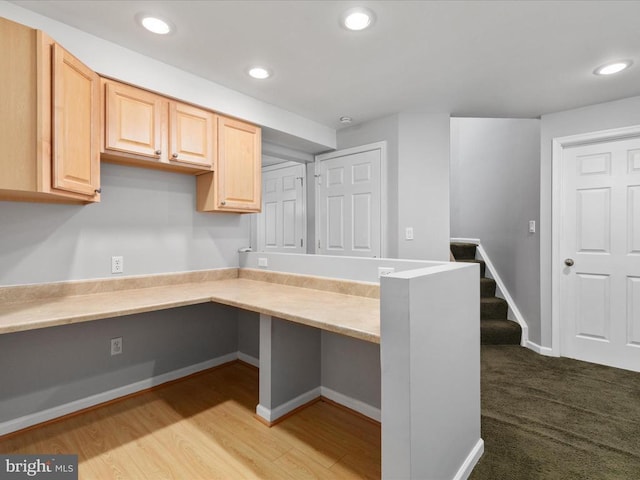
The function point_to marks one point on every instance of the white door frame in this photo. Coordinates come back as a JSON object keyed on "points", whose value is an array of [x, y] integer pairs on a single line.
{"points": [[558, 146], [382, 146]]}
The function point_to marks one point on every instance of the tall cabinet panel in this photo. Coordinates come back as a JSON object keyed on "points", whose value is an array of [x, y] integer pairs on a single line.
{"points": [[49, 113], [76, 122], [235, 185]]}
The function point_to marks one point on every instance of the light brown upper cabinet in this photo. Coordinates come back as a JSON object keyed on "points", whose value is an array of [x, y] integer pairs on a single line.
{"points": [[235, 186], [147, 129], [192, 134], [49, 120]]}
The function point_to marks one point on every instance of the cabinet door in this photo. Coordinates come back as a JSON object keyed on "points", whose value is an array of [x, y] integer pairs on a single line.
{"points": [[75, 125], [239, 166], [192, 135], [134, 120]]}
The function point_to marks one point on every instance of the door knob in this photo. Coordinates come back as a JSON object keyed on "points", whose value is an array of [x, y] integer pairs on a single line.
{"points": [[568, 262]]}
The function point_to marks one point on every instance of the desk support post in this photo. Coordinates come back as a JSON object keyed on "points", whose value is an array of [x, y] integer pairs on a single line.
{"points": [[289, 367]]}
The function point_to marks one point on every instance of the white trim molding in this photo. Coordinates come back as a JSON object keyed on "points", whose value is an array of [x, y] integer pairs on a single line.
{"points": [[284, 164], [558, 146], [253, 361], [352, 403], [465, 240], [546, 351], [273, 414], [470, 462], [91, 401]]}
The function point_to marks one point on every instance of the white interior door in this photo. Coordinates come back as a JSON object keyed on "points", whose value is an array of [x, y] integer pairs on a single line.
{"points": [[600, 248], [282, 222], [349, 206]]}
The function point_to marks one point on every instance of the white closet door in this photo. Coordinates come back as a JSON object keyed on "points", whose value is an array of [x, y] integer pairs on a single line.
{"points": [[282, 223], [600, 248], [349, 203]]}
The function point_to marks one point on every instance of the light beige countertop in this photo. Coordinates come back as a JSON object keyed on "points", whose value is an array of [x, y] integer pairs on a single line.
{"points": [[321, 306]]}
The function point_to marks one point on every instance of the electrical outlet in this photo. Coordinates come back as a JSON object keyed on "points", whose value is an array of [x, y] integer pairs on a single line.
{"points": [[532, 226], [117, 264], [384, 271], [408, 233], [263, 262], [116, 346]]}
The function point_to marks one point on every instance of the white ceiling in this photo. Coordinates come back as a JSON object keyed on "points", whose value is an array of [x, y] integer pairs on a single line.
{"points": [[468, 58]]}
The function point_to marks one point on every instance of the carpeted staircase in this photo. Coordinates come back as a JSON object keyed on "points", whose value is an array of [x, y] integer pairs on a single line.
{"points": [[495, 328]]}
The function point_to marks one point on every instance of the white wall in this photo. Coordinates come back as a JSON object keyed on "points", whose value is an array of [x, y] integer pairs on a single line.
{"points": [[604, 116], [147, 216], [357, 269], [430, 372], [495, 173], [115, 61], [417, 180], [423, 185], [53, 367], [376, 131]]}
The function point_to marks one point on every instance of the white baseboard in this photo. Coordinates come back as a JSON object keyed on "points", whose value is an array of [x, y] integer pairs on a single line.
{"points": [[249, 359], [93, 400], [351, 403], [271, 415], [470, 462], [539, 349], [32, 419]]}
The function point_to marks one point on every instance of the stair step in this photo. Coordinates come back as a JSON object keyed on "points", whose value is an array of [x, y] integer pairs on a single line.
{"points": [[500, 332], [483, 266], [463, 251], [493, 308], [487, 287]]}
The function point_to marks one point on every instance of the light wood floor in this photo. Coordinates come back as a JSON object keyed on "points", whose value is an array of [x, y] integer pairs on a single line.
{"points": [[204, 428]]}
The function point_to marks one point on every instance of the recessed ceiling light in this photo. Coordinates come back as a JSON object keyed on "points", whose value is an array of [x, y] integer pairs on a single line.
{"points": [[357, 18], [260, 73], [155, 24], [346, 120], [614, 67]]}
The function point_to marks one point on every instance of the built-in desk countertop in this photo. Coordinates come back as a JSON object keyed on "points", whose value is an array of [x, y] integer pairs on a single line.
{"points": [[307, 300], [438, 304]]}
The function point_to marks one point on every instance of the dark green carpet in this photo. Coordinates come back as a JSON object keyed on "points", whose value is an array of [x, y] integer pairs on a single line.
{"points": [[557, 418]]}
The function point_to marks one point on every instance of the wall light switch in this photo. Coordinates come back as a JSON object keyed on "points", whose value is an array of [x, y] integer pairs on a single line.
{"points": [[263, 262], [532, 226], [408, 233]]}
